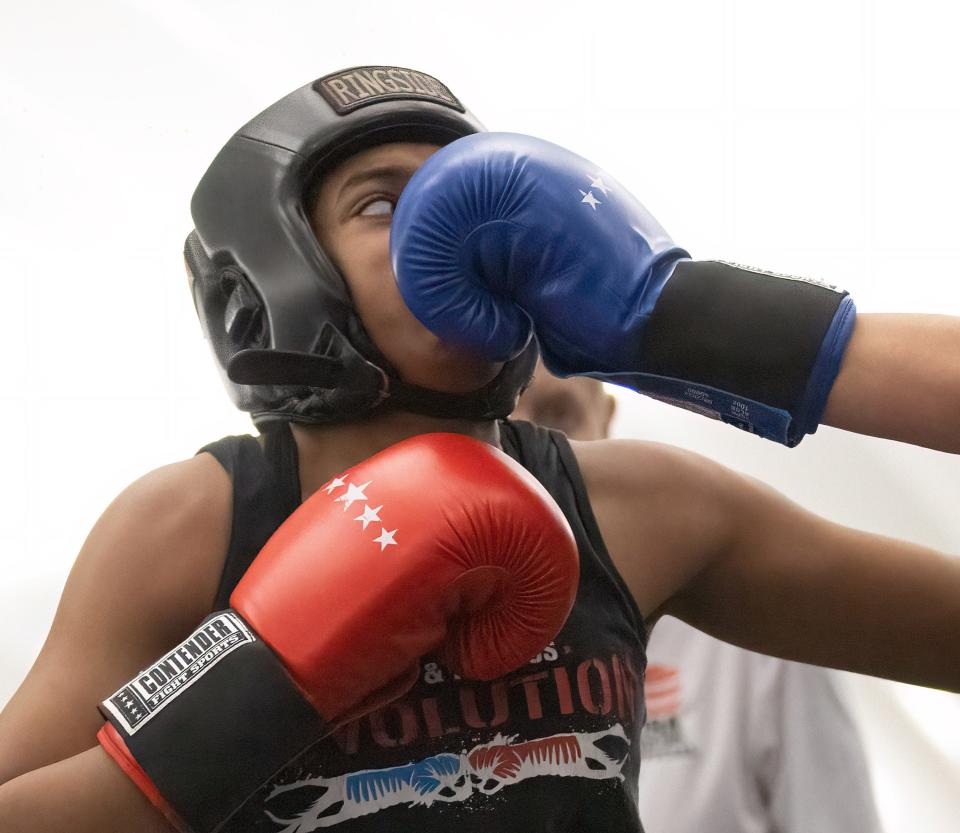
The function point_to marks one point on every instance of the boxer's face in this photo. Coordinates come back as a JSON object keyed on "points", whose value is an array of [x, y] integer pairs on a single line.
{"points": [[351, 218], [579, 406]]}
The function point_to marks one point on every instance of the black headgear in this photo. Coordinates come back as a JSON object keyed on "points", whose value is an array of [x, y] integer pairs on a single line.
{"points": [[275, 309]]}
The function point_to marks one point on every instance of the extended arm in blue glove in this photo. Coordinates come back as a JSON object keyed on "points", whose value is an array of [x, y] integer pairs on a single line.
{"points": [[499, 236]]}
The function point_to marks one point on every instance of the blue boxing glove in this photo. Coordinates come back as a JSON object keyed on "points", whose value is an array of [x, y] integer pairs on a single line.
{"points": [[499, 236]]}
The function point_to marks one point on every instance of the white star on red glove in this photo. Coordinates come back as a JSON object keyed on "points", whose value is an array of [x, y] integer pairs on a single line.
{"points": [[369, 515], [353, 494], [385, 538], [334, 484]]}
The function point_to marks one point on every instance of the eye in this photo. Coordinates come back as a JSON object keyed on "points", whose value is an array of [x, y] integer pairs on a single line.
{"points": [[377, 208]]}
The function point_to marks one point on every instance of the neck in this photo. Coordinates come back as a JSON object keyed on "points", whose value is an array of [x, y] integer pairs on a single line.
{"points": [[326, 450]]}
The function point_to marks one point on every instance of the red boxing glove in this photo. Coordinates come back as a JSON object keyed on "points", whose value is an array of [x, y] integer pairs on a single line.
{"points": [[440, 543]]}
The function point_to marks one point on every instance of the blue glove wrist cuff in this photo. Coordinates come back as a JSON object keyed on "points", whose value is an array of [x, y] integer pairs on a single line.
{"points": [[824, 373]]}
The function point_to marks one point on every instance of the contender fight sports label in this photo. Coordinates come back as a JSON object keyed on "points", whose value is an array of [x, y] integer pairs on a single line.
{"points": [[143, 697], [352, 88]]}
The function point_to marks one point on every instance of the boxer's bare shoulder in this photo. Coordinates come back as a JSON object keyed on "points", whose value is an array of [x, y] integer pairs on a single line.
{"points": [[661, 511], [146, 574]]}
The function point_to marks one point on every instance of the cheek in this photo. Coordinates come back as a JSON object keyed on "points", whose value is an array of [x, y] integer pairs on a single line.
{"points": [[369, 275], [365, 263], [409, 346]]}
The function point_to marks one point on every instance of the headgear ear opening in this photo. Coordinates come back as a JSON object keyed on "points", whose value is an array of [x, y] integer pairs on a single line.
{"points": [[277, 313]]}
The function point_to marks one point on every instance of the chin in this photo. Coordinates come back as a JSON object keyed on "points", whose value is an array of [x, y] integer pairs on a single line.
{"points": [[451, 372], [421, 358]]}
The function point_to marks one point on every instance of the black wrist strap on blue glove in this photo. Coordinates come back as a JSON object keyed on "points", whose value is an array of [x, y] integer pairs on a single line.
{"points": [[755, 349]]}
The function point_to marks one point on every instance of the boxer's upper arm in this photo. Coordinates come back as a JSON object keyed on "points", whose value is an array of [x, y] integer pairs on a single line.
{"points": [[797, 586], [146, 574], [735, 558]]}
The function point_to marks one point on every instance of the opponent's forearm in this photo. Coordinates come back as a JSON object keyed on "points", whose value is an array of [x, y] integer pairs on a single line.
{"points": [[905, 633], [791, 584], [880, 606], [900, 379], [87, 793]]}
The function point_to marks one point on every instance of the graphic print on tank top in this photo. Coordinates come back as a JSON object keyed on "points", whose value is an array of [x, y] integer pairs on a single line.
{"points": [[553, 746]]}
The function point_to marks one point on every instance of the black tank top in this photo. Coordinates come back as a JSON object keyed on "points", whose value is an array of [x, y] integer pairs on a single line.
{"points": [[554, 746]]}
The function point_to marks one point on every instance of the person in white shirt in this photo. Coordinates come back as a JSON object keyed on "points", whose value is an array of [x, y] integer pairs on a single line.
{"points": [[735, 741]]}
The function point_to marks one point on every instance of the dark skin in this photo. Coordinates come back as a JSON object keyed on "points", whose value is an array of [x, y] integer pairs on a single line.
{"points": [[720, 550], [351, 217], [578, 406]]}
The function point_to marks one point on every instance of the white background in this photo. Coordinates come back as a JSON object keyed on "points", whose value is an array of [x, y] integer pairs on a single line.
{"points": [[817, 138]]}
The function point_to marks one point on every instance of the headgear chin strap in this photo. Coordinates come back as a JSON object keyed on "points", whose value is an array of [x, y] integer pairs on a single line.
{"points": [[276, 311]]}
